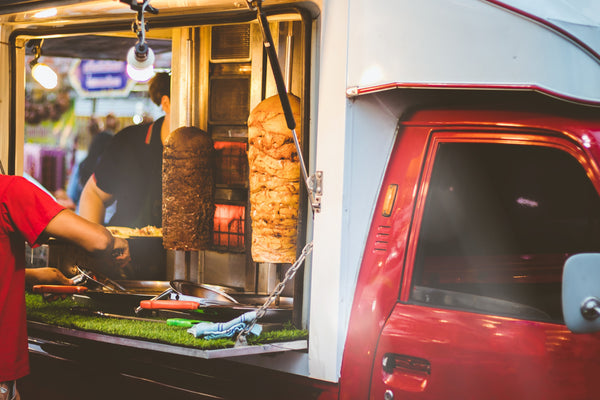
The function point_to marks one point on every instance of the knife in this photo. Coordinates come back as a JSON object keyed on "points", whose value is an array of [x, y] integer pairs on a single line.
{"points": [[59, 289], [169, 305], [182, 322]]}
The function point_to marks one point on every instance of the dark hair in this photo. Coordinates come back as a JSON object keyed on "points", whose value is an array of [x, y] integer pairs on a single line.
{"points": [[160, 85], [93, 126], [111, 122]]}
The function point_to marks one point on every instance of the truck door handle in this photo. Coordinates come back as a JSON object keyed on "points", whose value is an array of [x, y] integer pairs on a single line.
{"points": [[391, 361]]}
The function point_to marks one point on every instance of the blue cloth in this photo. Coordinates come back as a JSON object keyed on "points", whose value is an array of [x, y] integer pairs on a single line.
{"points": [[217, 330]]}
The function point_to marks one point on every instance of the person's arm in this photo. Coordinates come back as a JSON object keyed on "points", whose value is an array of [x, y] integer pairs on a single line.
{"points": [[92, 237], [45, 276], [93, 202]]}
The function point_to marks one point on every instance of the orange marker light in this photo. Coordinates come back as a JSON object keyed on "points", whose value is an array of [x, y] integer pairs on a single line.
{"points": [[390, 199]]}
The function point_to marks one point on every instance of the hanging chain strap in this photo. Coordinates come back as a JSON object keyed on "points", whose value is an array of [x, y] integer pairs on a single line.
{"points": [[241, 339]]}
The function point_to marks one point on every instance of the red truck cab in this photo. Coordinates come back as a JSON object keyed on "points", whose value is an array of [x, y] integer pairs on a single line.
{"points": [[459, 293]]}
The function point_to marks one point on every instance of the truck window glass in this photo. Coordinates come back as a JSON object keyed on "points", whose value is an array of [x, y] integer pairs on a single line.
{"points": [[499, 222]]}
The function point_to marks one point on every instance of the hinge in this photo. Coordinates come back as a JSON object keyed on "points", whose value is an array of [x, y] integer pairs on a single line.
{"points": [[315, 190]]}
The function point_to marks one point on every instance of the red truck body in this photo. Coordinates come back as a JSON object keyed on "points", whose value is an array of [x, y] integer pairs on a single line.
{"points": [[429, 342]]}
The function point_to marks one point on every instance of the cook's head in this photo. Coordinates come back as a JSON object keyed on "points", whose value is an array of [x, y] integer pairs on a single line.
{"points": [[160, 85]]}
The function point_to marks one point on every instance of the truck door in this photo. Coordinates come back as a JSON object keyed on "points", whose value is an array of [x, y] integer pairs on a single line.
{"points": [[479, 313]]}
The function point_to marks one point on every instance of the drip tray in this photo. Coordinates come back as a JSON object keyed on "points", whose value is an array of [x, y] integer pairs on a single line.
{"points": [[39, 330]]}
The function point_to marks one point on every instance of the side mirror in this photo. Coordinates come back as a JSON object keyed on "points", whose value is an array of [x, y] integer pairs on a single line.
{"points": [[581, 293]]}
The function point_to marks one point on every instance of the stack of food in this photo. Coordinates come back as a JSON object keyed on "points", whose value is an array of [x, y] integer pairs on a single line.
{"points": [[188, 190], [274, 181], [125, 232]]}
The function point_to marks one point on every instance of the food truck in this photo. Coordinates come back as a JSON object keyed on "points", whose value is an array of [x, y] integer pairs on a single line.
{"points": [[450, 158]]}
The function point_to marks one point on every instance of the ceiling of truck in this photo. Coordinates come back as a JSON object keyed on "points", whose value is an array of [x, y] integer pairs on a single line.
{"points": [[76, 7], [96, 47], [105, 26], [22, 11]]}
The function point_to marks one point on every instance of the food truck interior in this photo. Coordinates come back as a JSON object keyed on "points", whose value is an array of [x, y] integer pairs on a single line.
{"points": [[220, 72]]}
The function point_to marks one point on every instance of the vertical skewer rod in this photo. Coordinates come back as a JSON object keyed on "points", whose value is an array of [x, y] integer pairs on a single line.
{"points": [[289, 57], [282, 92], [187, 263]]}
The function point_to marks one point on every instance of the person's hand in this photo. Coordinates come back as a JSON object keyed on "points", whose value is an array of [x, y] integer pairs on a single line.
{"points": [[45, 276], [5, 391], [120, 252]]}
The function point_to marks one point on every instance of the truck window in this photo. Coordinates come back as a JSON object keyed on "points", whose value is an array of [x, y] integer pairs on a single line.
{"points": [[498, 223]]}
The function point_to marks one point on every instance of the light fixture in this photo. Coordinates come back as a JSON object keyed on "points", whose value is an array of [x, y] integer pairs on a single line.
{"points": [[41, 72], [140, 58], [140, 63]]}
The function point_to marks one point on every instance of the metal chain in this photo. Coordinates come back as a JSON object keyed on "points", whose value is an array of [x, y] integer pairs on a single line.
{"points": [[241, 339]]}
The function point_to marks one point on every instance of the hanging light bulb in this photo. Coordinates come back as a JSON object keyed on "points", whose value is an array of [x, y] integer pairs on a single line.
{"points": [[140, 62], [140, 58], [41, 72], [44, 75]]}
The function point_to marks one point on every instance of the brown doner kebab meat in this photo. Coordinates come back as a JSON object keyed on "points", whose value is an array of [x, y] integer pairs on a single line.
{"points": [[274, 181], [188, 206]]}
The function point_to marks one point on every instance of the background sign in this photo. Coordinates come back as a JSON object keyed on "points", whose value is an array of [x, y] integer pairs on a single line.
{"points": [[100, 78]]}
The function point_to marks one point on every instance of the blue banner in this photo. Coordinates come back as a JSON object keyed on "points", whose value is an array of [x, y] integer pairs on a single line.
{"points": [[98, 78]]}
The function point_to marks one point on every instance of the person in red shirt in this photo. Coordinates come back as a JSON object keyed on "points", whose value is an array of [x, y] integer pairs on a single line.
{"points": [[29, 214]]}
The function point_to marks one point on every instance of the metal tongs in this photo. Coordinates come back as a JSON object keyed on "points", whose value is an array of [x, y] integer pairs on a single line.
{"points": [[52, 292], [97, 278]]}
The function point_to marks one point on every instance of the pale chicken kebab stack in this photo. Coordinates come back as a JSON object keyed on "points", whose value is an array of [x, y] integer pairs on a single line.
{"points": [[274, 175]]}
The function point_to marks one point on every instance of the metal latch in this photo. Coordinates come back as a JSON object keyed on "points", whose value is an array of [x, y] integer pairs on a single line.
{"points": [[315, 190]]}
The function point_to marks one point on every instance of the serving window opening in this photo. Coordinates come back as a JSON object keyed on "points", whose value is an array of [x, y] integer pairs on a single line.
{"points": [[230, 77]]}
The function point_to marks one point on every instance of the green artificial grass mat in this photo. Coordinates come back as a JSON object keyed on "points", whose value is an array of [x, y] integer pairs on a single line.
{"points": [[59, 313]]}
